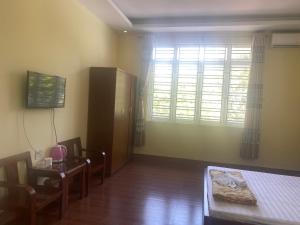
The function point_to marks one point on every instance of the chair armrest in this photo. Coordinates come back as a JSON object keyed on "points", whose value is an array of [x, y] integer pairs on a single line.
{"points": [[19, 187], [19, 195], [97, 153]]}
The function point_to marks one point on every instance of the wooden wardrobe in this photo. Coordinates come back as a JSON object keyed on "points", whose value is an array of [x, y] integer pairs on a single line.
{"points": [[110, 115]]}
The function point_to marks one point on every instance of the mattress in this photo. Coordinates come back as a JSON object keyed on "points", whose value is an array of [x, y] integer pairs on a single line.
{"points": [[278, 200]]}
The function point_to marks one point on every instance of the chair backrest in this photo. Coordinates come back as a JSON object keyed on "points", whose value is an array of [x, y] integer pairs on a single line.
{"points": [[10, 167], [74, 147]]}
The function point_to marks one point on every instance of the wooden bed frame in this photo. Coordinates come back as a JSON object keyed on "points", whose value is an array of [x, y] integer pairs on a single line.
{"points": [[207, 218]]}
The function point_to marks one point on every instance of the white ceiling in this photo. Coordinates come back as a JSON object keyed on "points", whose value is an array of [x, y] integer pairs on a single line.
{"points": [[197, 15], [182, 8]]}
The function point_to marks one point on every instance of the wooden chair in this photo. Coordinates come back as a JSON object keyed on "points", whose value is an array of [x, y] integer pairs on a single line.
{"points": [[28, 199], [97, 158], [8, 218]]}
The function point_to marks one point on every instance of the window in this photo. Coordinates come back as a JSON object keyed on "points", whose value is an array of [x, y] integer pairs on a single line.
{"points": [[200, 83]]}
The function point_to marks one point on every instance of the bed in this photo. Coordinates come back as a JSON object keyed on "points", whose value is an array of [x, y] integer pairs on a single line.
{"points": [[278, 201]]}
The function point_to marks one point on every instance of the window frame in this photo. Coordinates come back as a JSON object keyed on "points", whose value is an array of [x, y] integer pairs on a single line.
{"points": [[175, 62]]}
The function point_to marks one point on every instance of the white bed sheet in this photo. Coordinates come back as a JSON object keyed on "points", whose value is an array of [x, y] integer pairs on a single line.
{"points": [[278, 200]]}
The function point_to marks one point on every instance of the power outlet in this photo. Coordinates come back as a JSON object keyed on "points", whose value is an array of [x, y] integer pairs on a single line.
{"points": [[38, 155]]}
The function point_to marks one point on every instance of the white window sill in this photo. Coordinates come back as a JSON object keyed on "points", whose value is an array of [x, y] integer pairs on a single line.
{"points": [[197, 123]]}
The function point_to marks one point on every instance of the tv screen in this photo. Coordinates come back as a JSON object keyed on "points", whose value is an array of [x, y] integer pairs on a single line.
{"points": [[45, 91]]}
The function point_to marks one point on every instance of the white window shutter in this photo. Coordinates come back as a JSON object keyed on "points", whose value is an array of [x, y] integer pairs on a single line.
{"points": [[200, 83]]}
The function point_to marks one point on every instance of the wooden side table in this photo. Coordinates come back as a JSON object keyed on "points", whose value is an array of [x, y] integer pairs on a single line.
{"points": [[71, 168]]}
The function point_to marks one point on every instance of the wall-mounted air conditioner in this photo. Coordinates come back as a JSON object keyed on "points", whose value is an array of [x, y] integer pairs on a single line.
{"points": [[286, 40]]}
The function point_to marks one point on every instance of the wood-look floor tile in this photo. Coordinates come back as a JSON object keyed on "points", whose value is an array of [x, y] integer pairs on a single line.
{"points": [[144, 192]]}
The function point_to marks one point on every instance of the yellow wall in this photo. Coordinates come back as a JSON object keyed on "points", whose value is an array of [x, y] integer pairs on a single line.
{"points": [[281, 109], [55, 37], [129, 52], [280, 146]]}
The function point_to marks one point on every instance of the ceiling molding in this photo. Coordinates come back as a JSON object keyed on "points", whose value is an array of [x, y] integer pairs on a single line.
{"points": [[118, 10], [190, 20], [109, 12], [219, 23]]}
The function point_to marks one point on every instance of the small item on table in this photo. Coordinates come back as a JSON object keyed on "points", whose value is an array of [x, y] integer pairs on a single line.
{"points": [[48, 161], [231, 186]]}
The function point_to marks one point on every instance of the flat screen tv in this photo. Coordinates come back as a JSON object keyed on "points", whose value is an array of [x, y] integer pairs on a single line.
{"points": [[45, 91]]}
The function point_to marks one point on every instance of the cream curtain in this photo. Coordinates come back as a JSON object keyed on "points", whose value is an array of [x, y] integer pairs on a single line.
{"points": [[251, 135], [139, 132]]}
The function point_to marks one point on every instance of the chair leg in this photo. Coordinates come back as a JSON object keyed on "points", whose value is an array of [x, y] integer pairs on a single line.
{"points": [[32, 219], [61, 207], [88, 177], [102, 176], [32, 213]]}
